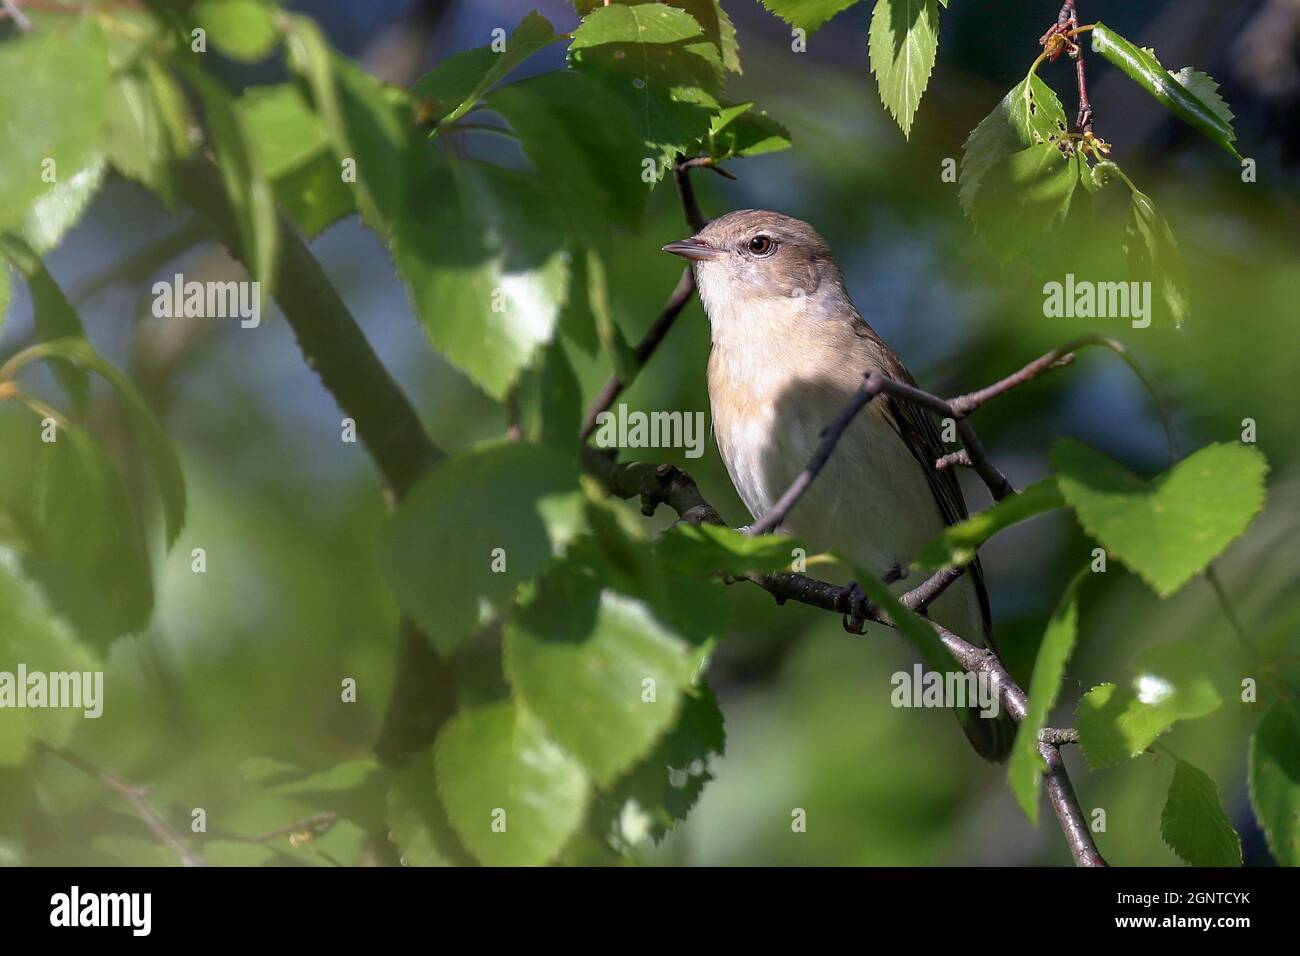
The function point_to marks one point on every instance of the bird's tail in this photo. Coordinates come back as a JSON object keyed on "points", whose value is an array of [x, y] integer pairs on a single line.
{"points": [[990, 736]]}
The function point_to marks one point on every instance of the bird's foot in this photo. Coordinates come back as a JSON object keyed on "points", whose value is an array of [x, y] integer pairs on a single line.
{"points": [[852, 602]]}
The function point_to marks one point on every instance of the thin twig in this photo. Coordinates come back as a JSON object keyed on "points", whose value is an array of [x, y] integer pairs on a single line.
{"points": [[135, 795], [11, 10]]}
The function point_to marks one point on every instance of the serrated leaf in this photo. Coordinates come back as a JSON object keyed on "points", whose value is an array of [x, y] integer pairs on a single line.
{"points": [[243, 30], [1171, 527], [1026, 766], [1140, 65], [585, 146], [741, 130], [146, 126], [1206, 89], [52, 129], [1193, 823], [958, 543], [456, 85], [52, 314], [717, 27], [903, 44], [57, 211], [512, 794], [579, 655], [153, 441], [1274, 777], [32, 636], [489, 298], [710, 549], [807, 14], [417, 822], [667, 784], [1153, 255], [437, 549], [1170, 682], [659, 61]]}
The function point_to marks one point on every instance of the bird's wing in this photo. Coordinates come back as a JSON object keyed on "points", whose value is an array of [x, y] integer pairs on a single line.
{"points": [[917, 430]]}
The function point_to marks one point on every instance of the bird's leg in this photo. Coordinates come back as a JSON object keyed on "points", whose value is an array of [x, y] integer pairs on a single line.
{"points": [[852, 602]]}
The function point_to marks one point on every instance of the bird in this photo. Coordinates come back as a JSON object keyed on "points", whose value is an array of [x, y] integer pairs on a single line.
{"points": [[789, 349]]}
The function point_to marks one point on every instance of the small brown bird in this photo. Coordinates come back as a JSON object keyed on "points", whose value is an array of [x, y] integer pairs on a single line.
{"points": [[789, 350]]}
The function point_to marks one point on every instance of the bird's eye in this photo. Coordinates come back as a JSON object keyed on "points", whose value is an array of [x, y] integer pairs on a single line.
{"points": [[761, 246]]}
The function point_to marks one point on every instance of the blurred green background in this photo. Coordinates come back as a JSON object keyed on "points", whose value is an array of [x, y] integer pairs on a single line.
{"points": [[244, 662]]}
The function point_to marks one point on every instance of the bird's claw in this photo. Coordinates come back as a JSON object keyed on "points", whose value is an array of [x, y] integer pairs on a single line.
{"points": [[852, 602]]}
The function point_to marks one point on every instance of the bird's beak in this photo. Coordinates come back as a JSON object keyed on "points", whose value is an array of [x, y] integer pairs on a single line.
{"points": [[692, 249]]}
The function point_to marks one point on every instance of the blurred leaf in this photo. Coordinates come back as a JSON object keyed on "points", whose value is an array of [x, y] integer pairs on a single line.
{"points": [[1153, 255], [1171, 682], [294, 150], [247, 185], [437, 550], [455, 85], [1169, 528], [147, 126], [52, 314], [1026, 766], [958, 543], [1180, 93], [910, 625], [52, 118], [1024, 197], [554, 401], [482, 251], [354, 789], [417, 822], [1193, 824], [87, 549], [807, 14], [243, 30], [584, 144], [57, 211], [578, 655], [368, 123], [709, 549], [903, 43], [1274, 777], [667, 783], [658, 60], [743, 131], [32, 637], [511, 793], [153, 441]]}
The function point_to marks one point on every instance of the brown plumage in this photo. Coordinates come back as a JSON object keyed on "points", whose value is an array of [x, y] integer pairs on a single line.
{"points": [[789, 350]]}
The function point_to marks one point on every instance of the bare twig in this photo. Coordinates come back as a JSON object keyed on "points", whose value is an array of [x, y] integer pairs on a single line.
{"points": [[10, 9], [315, 825], [137, 797]]}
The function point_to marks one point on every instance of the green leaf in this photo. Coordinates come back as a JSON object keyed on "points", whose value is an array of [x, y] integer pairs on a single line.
{"points": [[146, 126], [1275, 780], [909, 624], [1030, 114], [1170, 528], [584, 144], [294, 151], [1023, 198], [1153, 255], [1170, 682], [247, 185], [1181, 93], [437, 549], [368, 123], [417, 822], [53, 315], [351, 788], [53, 117], [807, 14], [87, 550], [57, 211], [666, 785], [1025, 769], [659, 61], [490, 297], [958, 543], [153, 441], [554, 402], [512, 794], [30, 635], [456, 84], [710, 549], [717, 27], [903, 43], [1193, 824], [243, 30], [743, 131], [579, 656]]}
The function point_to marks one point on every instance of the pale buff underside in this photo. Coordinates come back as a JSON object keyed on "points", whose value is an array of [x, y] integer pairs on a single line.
{"points": [[772, 389]]}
